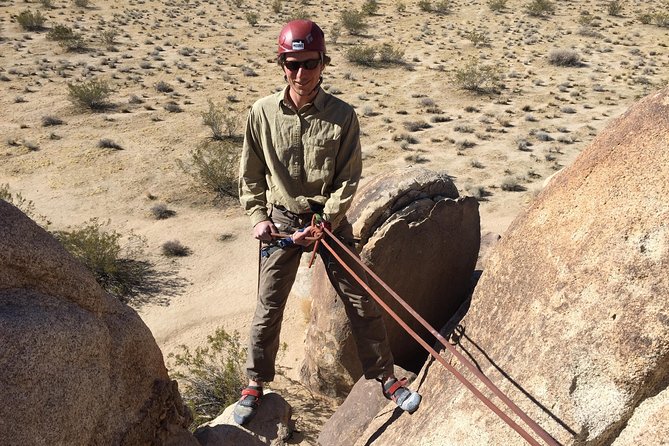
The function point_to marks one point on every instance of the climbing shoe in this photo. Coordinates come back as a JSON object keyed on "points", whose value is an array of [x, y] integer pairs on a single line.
{"points": [[406, 399], [248, 404]]}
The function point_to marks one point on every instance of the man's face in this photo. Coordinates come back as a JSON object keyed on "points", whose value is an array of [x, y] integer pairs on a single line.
{"points": [[301, 79]]}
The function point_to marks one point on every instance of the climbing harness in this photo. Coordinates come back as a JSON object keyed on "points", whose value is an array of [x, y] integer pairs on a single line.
{"points": [[322, 235]]}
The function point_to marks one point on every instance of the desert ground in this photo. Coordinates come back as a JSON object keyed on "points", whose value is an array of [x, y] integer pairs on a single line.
{"points": [[164, 60]]}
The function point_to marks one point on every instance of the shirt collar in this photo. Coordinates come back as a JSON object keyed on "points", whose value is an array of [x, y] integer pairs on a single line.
{"points": [[318, 102]]}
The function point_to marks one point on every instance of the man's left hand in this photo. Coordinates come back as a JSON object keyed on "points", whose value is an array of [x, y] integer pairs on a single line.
{"points": [[300, 237]]}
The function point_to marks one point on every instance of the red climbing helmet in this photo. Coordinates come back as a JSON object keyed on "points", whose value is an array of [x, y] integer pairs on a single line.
{"points": [[301, 35]]}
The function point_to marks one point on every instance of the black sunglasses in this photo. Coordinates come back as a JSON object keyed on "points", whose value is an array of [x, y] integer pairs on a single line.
{"points": [[294, 65]]}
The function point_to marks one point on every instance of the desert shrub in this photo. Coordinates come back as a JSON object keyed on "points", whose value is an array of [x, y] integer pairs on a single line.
{"points": [[174, 248], [116, 268], [646, 18], [109, 37], [540, 8], [478, 38], [369, 55], [477, 78], [512, 185], [353, 21], [26, 206], [30, 21], [400, 6], [173, 107], [92, 94], [497, 5], [48, 4], [215, 165], [390, 55], [442, 7], [66, 37], [370, 7], [211, 377], [615, 8], [48, 121], [361, 55], [161, 212], [414, 126], [425, 5], [82, 3], [564, 58], [223, 123], [163, 87], [252, 18], [106, 143], [661, 19]]}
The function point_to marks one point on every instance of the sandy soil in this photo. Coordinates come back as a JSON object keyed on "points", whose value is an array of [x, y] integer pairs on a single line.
{"points": [[541, 118]]}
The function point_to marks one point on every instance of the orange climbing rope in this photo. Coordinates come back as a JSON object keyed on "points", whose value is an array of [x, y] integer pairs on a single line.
{"points": [[322, 229]]}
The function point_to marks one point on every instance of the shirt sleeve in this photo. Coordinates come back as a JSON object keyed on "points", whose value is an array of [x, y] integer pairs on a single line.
{"points": [[348, 169], [252, 182]]}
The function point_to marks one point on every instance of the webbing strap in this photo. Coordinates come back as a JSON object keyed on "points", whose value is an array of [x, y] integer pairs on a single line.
{"points": [[545, 436]]}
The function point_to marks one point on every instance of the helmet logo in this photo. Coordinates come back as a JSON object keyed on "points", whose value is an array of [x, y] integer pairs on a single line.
{"points": [[298, 45]]}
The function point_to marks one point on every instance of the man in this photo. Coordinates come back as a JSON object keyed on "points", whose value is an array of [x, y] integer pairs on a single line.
{"points": [[301, 156]]}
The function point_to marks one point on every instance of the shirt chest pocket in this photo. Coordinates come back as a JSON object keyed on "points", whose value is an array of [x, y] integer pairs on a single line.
{"points": [[320, 154]]}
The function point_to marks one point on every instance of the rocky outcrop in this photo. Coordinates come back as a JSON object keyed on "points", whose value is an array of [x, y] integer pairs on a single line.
{"points": [[77, 367], [361, 406], [570, 317], [270, 426], [408, 221]]}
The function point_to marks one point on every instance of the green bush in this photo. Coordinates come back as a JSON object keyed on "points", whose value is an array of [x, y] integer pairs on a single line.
{"points": [[615, 8], [26, 206], [564, 58], [224, 124], [212, 376], [353, 21], [478, 38], [92, 94], [371, 56], [215, 166], [252, 18], [361, 55], [497, 5], [661, 19], [425, 5], [442, 7], [540, 8], [477, 78], [370, 7], [66, 37], [30, 21], [646, 18], [116, 268]]}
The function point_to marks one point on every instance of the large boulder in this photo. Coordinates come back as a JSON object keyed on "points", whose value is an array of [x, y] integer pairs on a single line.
{"points": [[570, 317], [421, 239], [272, 425], [77, 367]]}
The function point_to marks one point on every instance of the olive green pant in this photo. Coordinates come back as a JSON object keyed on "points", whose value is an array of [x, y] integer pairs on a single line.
{"points": [[277, 274]]}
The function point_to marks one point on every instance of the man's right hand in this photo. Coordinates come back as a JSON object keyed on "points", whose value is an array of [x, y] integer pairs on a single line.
{"points": [[263, 231]]}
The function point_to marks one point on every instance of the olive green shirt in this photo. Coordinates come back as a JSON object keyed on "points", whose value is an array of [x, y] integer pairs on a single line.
{"points": [[291, 158]]}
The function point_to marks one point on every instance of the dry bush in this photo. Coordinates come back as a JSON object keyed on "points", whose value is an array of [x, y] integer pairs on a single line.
{"points": [[370, 7], [174, 248], [540, 8], [564, 58], [92, 94], [353, 21], [211, 377], [615, 8], [477, 78], [497, 5], [223, 123], [66, 37], [375, 56], [116, 268], [215, 166], [30, 21]]}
